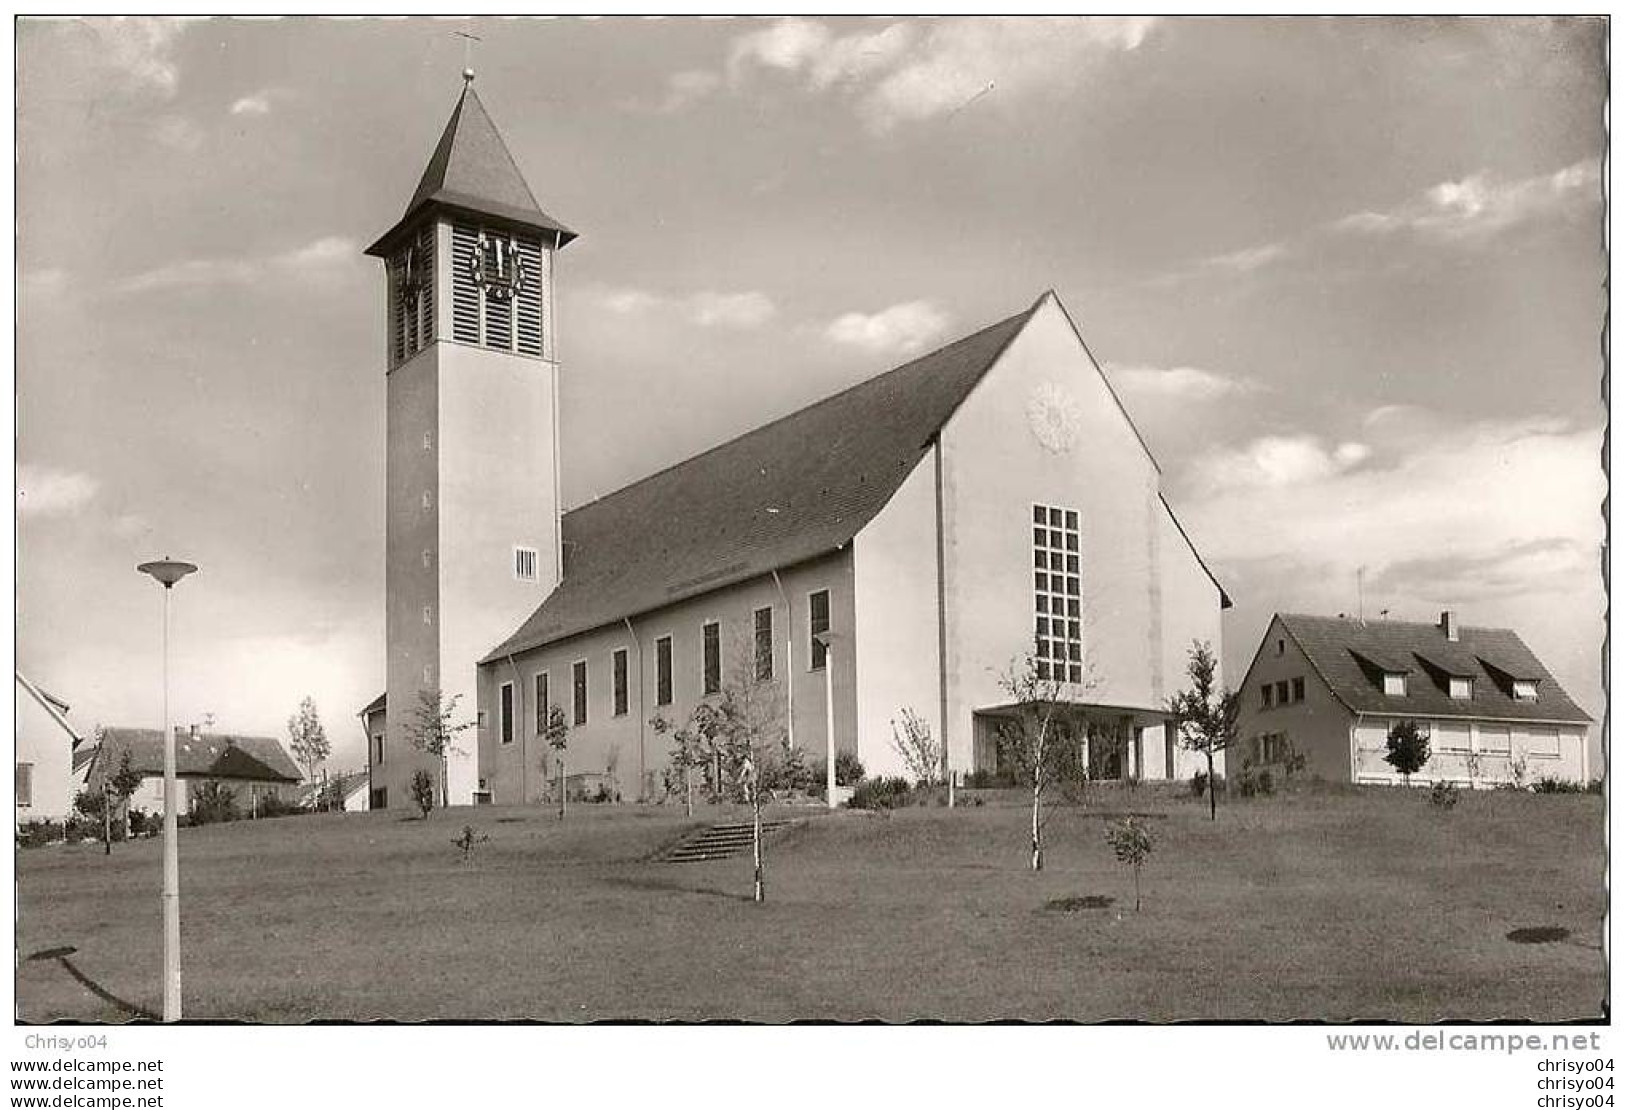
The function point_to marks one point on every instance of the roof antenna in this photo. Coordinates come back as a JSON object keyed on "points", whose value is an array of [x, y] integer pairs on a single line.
{"points": [[468, 55]]}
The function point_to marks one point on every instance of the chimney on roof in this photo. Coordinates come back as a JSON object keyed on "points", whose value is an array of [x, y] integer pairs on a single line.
{"points": [[1447, 623]]}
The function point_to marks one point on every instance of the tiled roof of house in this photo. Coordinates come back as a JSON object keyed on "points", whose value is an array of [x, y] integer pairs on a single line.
{"points": [[208, 755], [786, 492], [1351, 656], [472, 170]]}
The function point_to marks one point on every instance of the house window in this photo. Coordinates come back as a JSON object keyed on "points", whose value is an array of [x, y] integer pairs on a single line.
{"points": [[1524, 690], [1393, 684], [542, 703], [1541, 740], [377, 748], [1268, 694], [712, 635], [578, 692], [1450, 737], [764, 644], [1283, 692], [1297, 689], [1057, 594], [505, 713], [1495, 739], [619, 660], [817, 625], [25, 784], [524, 564], [1280, 647], [1461, 688], [663, 671]]}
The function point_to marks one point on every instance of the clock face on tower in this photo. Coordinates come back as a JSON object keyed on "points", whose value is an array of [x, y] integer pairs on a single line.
{"points": [[1052, 413], [498, 267]]}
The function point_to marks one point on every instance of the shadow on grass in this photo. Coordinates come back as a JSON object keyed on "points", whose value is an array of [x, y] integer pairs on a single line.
{"points": [[668, 886], [60, 955]]}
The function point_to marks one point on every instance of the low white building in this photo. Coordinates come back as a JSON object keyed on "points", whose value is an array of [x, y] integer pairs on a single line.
{"points": [[1331, 689]]}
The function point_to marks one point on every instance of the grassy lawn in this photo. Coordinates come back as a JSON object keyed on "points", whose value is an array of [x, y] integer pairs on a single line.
{"points": [[1344, 906]]}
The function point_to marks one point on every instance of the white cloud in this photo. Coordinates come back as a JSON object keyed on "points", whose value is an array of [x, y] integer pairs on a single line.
{"points": [[47, 491], [1187, 383], [707, 309], [963, 58], [731, 310], [1518, 501], [255, 104], [323, 257], [1273, 461], [140, 49], [901, 329], [1481, 205], [1248, 259], [920, 69]]}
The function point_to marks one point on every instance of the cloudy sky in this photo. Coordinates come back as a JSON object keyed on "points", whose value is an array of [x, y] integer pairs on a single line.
{"points": [[1346, 274]]}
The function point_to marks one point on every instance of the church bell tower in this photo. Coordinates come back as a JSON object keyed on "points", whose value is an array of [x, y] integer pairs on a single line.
{"points": [[472, 472]]}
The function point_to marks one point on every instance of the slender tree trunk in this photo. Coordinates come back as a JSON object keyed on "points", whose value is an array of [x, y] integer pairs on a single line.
{"points": [[1212, 789], [445, 787], [561, 787], [107, 820], [1038, 846], [688, 791], [1136, 888], [756, 843]]}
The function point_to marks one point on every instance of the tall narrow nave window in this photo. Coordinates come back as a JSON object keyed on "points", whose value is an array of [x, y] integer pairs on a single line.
{"points": [[496, 289], [817, 625], [578, 692], [620, 682], [764, 644], [1057, 594], [712, 637], [505, 713], [663, 671], [542, 703]]}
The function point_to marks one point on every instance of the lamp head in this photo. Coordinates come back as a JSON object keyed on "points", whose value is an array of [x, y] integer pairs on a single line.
{"points": [[166, 571]]}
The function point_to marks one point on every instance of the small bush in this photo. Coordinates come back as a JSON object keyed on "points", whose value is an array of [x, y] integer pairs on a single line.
{"points": [[37, 833], [848, 769], [1255, 780], [1199, 784], [1444, 794], [423, 792], [1550, 785], [990, 780], [143, 823], [212, 803], [881, 793], [271, 805]]}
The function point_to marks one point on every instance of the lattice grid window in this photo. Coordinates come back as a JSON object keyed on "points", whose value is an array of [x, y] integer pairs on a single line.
{"points": [[1057, 594]]}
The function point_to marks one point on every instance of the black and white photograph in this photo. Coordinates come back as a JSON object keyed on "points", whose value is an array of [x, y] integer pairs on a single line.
{"points": [[811, 519]]}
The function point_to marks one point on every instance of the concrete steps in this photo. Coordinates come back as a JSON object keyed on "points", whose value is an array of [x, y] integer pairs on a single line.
{"points": [[719, 842]]}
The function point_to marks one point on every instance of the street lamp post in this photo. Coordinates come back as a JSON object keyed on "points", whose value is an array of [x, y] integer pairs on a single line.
{"points": [[166, 572], [827, 641]]}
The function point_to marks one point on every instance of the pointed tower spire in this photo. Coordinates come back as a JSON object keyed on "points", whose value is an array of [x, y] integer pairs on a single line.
{"points": [[472, 173]]}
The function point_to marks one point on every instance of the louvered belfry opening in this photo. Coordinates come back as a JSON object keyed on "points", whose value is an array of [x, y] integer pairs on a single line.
{"points": [[411, 294], [497, 289]]}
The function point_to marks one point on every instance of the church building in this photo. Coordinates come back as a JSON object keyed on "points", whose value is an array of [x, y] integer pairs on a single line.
{"points": [[893, 548]]}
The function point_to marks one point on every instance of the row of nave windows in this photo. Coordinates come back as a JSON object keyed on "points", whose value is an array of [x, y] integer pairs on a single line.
{"points": [[761, 646]]}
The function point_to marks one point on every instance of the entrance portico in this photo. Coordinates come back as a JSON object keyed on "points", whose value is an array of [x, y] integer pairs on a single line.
{"points": [[1118, 742]]}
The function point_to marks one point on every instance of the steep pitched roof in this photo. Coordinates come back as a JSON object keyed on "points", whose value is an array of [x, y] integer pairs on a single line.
{"points": [[209, 755], [1490, 656], [793, 489], [472, 171]]}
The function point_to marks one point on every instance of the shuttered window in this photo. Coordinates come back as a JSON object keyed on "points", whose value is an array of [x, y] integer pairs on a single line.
{"points": [[411, 296], [497, 286]]}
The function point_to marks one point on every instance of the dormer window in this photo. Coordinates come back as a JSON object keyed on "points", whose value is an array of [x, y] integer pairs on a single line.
{"points": [[1393, 684], [1523, 689], [1461, 688]]}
